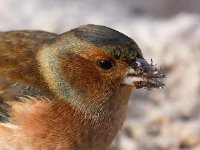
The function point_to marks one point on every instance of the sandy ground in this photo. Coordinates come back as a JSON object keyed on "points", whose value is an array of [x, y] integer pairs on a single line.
{"points": [[166, 119]]}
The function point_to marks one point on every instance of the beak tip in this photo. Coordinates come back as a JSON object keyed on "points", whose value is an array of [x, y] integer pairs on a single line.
{"points": [[145, 75]]}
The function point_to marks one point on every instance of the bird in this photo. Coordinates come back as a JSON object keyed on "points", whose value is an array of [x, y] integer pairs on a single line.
{"points": [[68, 91]]}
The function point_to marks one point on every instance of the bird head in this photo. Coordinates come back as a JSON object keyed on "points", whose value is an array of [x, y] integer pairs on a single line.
{"points": [[91, 64]]}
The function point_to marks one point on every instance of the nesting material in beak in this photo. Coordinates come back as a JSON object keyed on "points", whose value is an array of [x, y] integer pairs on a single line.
{"points": [[144, 75]]}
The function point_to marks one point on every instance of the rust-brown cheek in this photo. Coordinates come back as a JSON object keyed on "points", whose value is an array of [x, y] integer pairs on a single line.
{"points": [[85, 78]]}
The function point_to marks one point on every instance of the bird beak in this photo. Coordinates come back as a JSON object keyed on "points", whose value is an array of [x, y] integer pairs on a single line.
{"points": [[144, 75]]}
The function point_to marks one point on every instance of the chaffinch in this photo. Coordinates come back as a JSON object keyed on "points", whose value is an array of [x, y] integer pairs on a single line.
{"points": [[68, 91]]}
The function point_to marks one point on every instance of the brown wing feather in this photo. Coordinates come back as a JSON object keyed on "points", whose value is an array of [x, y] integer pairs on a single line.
{"points": [[18, 50], [18, 66]]}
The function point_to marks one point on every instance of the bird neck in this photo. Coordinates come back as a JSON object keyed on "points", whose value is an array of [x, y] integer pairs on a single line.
{"points": [[58, 125], [84, 125]]}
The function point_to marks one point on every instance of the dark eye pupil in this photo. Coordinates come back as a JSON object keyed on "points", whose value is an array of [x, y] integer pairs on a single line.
{"points": [[105, 64]]}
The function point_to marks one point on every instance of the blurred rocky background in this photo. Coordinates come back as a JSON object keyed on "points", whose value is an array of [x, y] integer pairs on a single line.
{"points": [[168, 31]]}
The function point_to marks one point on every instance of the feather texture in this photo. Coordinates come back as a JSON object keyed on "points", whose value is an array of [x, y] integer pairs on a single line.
{"points": [[55, 95]]}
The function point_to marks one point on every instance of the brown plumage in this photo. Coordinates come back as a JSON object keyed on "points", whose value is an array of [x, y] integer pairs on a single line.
{"points": [[68, 91]]}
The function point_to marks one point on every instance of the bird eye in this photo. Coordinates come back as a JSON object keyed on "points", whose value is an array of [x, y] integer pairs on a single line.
{"points": [[105, 64]]}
